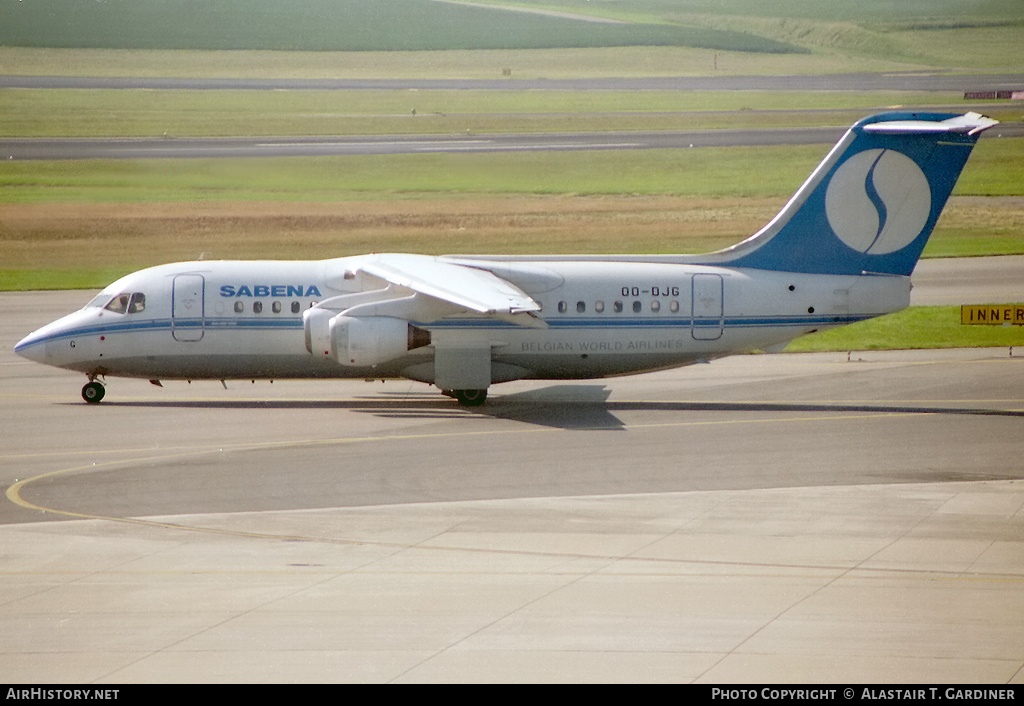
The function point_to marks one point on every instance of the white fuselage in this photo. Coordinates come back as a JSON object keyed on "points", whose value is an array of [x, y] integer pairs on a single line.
{"points": [[600, 317]]}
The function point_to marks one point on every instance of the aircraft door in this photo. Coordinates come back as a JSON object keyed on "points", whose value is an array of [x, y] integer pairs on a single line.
{"points": [[708, 308], [187, 307]]}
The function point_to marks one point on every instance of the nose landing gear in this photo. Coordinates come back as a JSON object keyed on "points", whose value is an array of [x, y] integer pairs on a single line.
{"points": [[93, 392]]}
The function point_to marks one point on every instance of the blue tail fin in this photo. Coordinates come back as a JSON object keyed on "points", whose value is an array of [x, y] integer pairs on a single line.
{"points": [[870, 206]]}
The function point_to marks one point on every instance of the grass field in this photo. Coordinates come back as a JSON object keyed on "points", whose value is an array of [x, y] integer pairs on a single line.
{"points": [[996, 169], [73, 218], [587, 62], [917, 327]]}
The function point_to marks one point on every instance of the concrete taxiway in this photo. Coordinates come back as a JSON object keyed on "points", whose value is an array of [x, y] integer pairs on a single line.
{"points": [[776, 518]]}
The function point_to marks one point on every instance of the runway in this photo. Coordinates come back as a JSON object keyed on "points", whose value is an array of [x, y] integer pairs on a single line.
{"points": [[775, 518], [17, 149], [184, 148]]}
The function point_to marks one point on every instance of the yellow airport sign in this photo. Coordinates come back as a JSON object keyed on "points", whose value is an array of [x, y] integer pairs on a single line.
{"points": [[992, 314]]}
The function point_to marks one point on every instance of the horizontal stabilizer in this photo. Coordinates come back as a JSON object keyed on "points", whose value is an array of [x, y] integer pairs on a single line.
{"points": [[970, 123]]}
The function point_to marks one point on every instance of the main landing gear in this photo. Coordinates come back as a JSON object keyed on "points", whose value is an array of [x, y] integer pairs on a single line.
{"points": [[469, 398], [93, 392]]}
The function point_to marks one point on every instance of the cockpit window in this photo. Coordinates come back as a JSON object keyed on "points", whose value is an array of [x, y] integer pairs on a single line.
{"points": [[126, 303], [137, 304], [119, 304]]}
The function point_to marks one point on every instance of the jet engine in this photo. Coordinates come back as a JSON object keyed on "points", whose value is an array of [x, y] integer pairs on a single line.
{"points": [[360, 341], [317, 325]]}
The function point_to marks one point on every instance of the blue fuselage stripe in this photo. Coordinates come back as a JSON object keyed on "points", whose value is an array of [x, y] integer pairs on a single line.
{"points": [[565, 324]]}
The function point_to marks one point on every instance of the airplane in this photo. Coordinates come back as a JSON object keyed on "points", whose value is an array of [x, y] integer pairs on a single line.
{"points": [[841, 250]]}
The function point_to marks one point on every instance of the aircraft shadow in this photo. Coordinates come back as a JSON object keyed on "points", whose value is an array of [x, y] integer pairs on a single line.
{"points": [[558, 406]]}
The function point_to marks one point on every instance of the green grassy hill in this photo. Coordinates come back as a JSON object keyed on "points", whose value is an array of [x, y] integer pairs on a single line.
{"points": [[933, 33], [336, 25], [951, 33]]}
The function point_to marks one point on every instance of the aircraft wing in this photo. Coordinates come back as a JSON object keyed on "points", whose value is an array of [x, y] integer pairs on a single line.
{"points": [[466, 287]]}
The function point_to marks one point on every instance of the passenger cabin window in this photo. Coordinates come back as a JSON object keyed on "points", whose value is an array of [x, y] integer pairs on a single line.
{"points": [[581, 307], [276, 306]]}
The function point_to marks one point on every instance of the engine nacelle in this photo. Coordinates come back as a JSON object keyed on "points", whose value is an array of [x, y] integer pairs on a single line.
{"points": [[317, 325], [370, 340]]}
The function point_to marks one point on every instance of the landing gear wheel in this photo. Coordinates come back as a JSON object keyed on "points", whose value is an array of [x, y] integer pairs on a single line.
{"points": [[471, 398], [93, 392]]}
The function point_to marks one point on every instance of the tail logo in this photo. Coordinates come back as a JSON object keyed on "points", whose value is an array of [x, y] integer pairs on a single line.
{"points": [[878, 201]]}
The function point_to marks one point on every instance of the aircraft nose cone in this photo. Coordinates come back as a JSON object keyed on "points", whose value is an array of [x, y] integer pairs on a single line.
{"points": [[62, 343], [32, 347]]}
